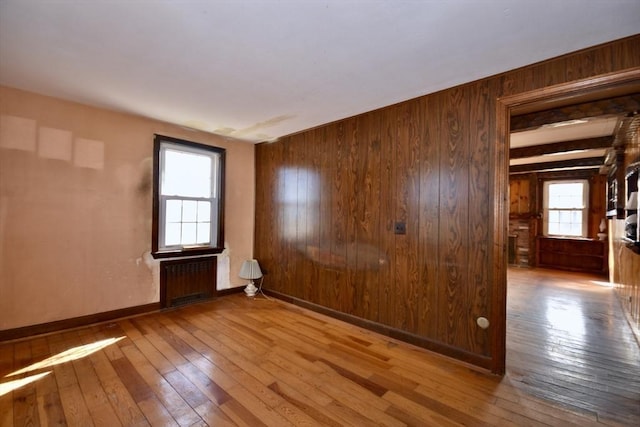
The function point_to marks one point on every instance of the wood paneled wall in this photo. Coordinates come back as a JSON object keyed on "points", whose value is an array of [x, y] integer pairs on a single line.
{"points": [[624, 262], [328, 199]]}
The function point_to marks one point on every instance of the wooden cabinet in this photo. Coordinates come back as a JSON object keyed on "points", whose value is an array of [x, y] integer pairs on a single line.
{"points": [[519, 196], [573, 254]]}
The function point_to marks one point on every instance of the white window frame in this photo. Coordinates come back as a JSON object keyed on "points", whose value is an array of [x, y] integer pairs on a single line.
{"points": [[584, 210], [162, 144]]}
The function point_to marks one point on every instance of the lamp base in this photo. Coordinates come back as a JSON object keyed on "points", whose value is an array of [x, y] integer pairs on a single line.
{"points": [[250, 290]]}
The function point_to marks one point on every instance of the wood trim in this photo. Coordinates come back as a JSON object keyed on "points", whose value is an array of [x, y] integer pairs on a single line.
{"points": [[460, 355], [75, 322], [498, 254], [155, 185], [538, 100]]}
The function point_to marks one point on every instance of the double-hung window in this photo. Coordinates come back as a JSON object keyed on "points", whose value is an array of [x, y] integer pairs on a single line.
{"points": [[566, 208], [188, 202]]}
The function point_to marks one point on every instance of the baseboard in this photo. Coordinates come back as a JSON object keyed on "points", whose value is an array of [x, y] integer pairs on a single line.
{"points": [[44, 328], [477, 361]]}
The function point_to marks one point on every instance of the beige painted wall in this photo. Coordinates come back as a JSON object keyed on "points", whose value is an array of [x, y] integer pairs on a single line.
{"points": [[75, 208]]}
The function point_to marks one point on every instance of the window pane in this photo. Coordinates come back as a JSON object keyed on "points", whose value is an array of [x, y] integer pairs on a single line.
{"points": [[569, 195], [204, 211], [564, 229], [576, 217], [188, 233], [186, 174], [576, 229], [189, 210], [174, 211], [172, 234], [204, 230], [565, 222]]}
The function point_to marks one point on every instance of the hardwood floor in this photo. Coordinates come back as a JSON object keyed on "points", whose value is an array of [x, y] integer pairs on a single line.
{"points": [[568, 341], [235, 361]]}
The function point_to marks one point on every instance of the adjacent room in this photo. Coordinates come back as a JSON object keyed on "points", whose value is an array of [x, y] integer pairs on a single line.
{"points": [[319, 213]]}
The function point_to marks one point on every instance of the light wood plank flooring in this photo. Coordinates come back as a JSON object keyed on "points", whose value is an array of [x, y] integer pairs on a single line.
{"points": [[237, 361]]}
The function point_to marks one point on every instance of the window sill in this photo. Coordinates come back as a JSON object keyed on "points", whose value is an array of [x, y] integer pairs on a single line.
{"points": [[568, 238], [186, 252]]}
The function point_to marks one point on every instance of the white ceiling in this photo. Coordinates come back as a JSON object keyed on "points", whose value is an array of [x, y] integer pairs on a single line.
{"points": [[257, 70]]}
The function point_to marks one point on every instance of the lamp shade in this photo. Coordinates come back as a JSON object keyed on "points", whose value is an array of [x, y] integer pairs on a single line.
{"points": [[250, 270], [632, 203]]}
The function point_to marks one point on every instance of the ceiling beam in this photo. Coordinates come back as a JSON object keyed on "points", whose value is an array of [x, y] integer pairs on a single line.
{"points": [[561, 147], [561, 164], [605, 107]]}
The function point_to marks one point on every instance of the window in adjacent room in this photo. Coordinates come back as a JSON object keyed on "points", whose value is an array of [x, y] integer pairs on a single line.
{"points": [[566, 208], [187, 196]]}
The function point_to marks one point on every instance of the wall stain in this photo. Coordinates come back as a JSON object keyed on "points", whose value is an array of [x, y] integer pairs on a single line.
{"points": [[145, 182], [251, 130]]}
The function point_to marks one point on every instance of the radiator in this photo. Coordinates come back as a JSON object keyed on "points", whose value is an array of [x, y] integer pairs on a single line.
{"points": [[187, 280]]}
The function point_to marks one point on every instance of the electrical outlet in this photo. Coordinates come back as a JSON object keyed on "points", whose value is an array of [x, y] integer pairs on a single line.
{"points": [[400, 228]]}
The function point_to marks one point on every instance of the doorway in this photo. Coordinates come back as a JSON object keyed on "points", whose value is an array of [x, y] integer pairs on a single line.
{"points": [[601, 87]]}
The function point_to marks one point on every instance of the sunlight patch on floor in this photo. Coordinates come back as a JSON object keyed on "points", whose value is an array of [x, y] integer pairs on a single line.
{"points": [[74, 353], [16, 384]]}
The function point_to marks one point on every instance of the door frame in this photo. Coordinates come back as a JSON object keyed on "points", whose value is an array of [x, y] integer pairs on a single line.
{"points": [[600, 87]]}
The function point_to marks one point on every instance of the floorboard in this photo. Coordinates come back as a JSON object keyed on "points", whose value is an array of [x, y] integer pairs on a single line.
{"points": [[568, 342], [571, 360]]}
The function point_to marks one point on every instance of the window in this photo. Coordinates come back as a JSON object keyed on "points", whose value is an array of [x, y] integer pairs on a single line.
{"points": [[187, 198], [565, 208]]}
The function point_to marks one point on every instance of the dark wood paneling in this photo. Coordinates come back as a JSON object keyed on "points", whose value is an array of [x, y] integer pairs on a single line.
{"points": [[573, 254], [368, 216], [401, 279], [386, 292], [479, 205], [625, 268], [429, 220], [454, 216], [597, 203], [351, 302], [434, 163]]}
